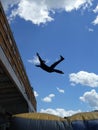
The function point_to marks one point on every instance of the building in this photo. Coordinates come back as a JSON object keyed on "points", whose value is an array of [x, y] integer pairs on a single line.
{"points": [[16, 93]]}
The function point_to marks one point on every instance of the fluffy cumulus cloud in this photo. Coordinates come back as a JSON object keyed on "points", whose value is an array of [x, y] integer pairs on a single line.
{"points": [[60, 112], [48, 98], [90, 97], [84, 78], [39, 11]]}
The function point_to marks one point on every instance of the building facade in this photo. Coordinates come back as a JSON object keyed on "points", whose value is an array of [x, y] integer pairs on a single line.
{"points": [[12, 73]]}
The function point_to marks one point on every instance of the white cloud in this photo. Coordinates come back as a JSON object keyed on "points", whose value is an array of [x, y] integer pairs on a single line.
{"points": [[48, 98], [95, 22], [91, 98], [84, 78], [60, 112], [9, 3], [96, 9], [39, 11], [34, 61], [90, 30], [36, 94], [60, 90]]}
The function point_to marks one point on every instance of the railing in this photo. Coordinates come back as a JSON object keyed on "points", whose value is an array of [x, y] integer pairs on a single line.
{"points": [[10, 49]]}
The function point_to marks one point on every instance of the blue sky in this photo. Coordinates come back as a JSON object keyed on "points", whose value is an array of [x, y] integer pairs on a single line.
{"points": [[54, 28]]}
